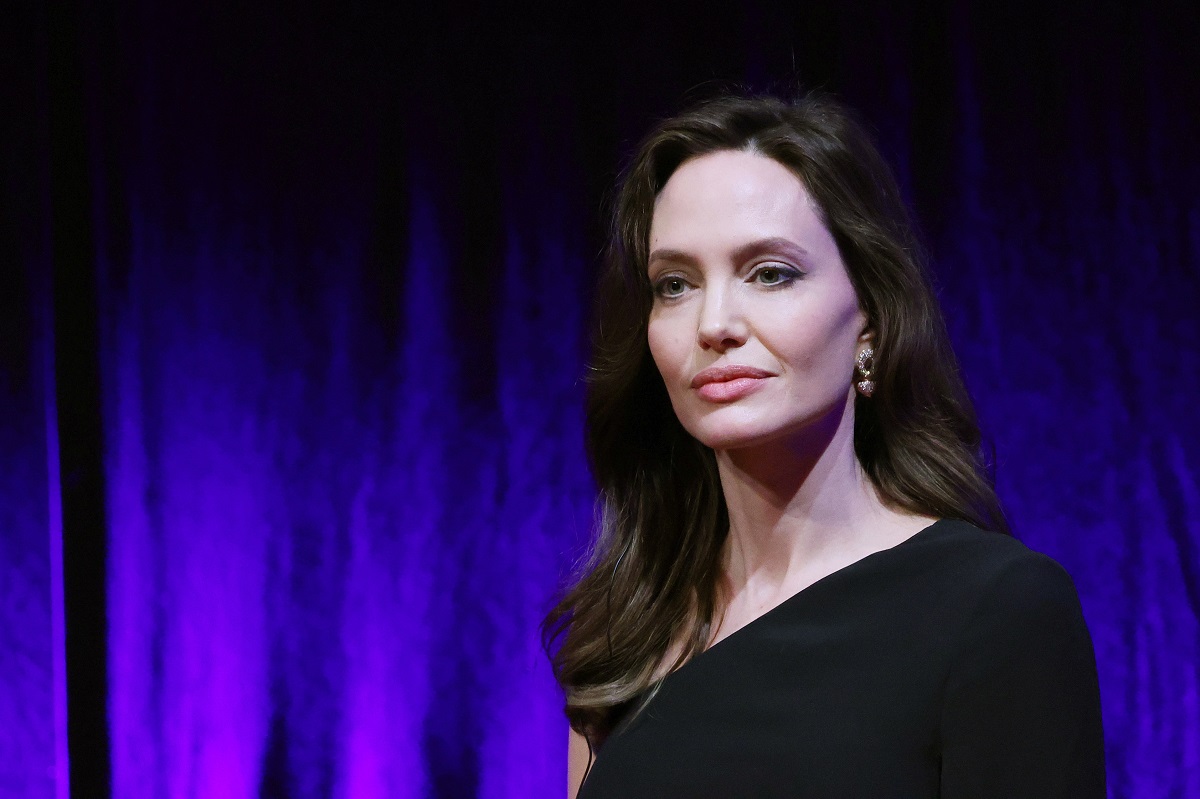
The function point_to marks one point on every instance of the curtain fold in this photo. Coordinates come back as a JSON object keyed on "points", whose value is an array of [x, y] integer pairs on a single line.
{"points": [[342, 262]]}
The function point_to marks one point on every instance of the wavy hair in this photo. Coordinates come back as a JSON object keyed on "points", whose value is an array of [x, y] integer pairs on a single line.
{"points": [[649, 585]]}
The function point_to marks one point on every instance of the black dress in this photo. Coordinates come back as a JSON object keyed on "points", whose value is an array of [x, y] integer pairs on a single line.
{"points": [[956, 664]]}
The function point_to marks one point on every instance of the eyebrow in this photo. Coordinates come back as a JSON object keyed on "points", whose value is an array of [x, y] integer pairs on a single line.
{"points": [[742, 253]]}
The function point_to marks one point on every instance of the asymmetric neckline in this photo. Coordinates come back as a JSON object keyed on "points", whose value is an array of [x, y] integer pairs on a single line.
{"points": [[953, 664], [762, 619]]}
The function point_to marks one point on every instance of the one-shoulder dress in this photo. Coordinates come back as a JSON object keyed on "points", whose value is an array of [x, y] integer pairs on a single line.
{"points": [[956, 664]]}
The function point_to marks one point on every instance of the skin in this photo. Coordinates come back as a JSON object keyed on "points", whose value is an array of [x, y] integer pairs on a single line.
{"points": [[577, 763], [787, 307], [746, 273]]}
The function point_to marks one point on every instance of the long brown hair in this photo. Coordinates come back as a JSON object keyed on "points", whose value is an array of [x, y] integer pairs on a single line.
{"points": [[649, 586]]}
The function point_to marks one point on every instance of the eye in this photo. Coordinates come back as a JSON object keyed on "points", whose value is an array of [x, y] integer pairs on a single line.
{"points": [[774, 275], [670, 287]]}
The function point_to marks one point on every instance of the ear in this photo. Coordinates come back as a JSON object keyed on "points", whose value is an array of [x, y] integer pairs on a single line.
{"points": [[866, 333]]}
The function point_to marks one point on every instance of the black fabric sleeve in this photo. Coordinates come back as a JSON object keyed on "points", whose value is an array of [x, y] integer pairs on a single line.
{"points": [[1021, 712]]}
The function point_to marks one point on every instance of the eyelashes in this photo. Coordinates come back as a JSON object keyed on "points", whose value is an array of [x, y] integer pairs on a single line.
{"points": [[770, 275], [670, 287], [778, 275]]}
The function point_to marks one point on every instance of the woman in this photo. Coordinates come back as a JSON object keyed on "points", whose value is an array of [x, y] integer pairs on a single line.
{"points": [[803, 584]]}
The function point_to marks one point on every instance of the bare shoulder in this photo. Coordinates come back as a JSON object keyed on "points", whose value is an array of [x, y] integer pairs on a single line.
{"points": [[579, 760], [901, 526]]}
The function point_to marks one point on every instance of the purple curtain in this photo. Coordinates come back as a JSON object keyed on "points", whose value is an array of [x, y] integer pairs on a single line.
{"points": [[294, 301]]}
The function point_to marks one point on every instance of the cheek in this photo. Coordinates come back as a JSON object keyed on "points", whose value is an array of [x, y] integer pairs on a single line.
{"points": [[822, 342], [665, 349]]}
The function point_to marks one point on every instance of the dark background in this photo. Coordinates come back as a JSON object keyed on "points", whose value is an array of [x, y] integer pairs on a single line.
{"points": [[293, 311]]}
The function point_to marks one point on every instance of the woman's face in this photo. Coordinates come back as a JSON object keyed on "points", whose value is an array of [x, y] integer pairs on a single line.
{"points": [[755, 324]]}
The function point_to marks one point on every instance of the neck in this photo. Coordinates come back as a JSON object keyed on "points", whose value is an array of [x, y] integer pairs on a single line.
{"points": [[799, 508]]}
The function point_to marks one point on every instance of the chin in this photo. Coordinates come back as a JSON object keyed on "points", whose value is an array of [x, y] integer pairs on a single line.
{"points": [[723, 430], [734, 436]]}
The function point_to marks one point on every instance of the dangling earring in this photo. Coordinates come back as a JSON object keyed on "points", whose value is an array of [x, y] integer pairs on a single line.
{"points": [[864, 366]]}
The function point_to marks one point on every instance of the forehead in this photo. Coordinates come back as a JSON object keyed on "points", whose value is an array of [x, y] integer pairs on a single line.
{"points": [[730, 196]]}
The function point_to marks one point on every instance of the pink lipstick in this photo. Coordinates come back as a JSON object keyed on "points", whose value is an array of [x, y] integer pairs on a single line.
{"points": [[728, 383]]}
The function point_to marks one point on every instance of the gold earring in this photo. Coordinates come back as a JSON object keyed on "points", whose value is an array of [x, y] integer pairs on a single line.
{"points": [[864, 366]]}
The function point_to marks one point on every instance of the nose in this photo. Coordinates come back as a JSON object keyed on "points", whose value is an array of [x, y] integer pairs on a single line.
{"points": [[721, 325]]}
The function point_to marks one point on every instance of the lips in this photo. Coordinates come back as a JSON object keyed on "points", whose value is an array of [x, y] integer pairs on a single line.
{"points": [[729, 382]]}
